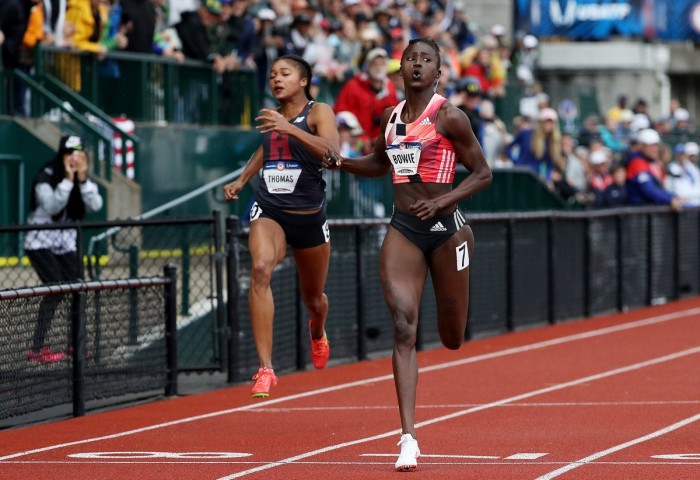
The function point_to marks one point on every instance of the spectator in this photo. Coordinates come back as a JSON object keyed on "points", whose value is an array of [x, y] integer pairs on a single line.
{"points": [[61, 193], [350, 133], [394, 73], [599, 178], [468, 99], [575, 170], [142, 14], [33, 35], [493, 132], [615, 194], [89, 18], [590, 131], [526, 59], [683, 179], [484, 64], [13, 23], [369, 93], [615, 113], [538, 148], [644, 182], [193, 30], [682, 129]]}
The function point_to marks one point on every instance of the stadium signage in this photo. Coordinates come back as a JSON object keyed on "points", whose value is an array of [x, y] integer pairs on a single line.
{"points": [[572, 11]]}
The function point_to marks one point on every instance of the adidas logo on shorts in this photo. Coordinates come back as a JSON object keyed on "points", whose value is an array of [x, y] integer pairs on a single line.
{"points": [[438, 227], [425, 121]]}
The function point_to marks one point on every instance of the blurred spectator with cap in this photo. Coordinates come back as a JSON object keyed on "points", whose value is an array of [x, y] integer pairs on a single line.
{"points": [[615, 194], [683, 179], [599, 177], [368, 93], [468, 99], [539, 148], [682, 129], [483, 62], [644, 177], [526, 60], [300, 35], [350, 133], [194, 34]]}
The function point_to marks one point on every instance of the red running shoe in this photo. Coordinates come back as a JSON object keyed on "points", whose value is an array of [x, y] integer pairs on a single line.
{"points": [[320, 349], [264, 379], [45, 355]]}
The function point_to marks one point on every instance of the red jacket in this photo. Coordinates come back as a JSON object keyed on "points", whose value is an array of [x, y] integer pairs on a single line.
{"points": [[358, 96]]}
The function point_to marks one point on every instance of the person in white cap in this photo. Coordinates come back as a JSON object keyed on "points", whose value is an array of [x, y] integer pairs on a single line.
{"points": [[645, 177], [683, 177]]}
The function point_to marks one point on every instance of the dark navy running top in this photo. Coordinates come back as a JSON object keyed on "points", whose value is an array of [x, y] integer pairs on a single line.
{"points": [[291, 174]]}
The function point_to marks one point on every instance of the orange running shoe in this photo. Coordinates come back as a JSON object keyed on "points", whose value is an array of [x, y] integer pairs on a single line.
{"points": [[320, 349], [264, 379]]}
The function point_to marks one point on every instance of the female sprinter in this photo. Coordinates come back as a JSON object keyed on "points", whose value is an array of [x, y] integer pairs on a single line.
{"points": [[289, 208], [423, 138]]}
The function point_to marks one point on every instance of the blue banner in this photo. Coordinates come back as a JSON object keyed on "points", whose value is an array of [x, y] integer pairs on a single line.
{"points": [[674, 20]]}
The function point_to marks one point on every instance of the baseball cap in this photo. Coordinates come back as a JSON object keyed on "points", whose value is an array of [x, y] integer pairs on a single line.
{"points": [[681, 115], [469, 85], [349, 120], [691, 148], [214, 6], [597, 157], [648, 136], [530, 41], [374, 53], [70, 143], [548, 114], [498, 30], [640, 122], [267, 14]]}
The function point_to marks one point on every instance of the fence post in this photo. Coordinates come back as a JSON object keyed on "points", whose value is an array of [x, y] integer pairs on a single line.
{"points": [[359, 278], [170, 272], [221, 325], [79, 351], [232, 293], [133, 297]]}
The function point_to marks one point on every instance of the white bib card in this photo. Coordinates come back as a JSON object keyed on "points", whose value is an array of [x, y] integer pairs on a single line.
{"points": [[404, 157], [281, 177]]}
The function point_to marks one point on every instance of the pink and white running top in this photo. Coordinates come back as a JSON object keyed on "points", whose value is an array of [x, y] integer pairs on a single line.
{"points": [[437, 155]]}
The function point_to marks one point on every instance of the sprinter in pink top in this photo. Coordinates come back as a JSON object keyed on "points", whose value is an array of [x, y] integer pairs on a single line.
{"points": [[423, 139]]}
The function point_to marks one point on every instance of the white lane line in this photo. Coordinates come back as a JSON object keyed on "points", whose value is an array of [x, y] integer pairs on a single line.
{"points": [[526, 456], [510, 462], [422, 455], [330, 408], [498, 403], [510, 351], [617, 448]]}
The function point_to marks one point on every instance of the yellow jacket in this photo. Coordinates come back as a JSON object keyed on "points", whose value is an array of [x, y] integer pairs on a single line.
{"points": [[79, 13]]}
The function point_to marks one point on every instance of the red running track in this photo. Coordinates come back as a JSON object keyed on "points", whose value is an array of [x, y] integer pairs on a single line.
{"points": [[615, 397]]}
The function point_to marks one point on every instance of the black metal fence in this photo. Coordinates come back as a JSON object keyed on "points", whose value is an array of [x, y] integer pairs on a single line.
{"points": [[527, 269]]}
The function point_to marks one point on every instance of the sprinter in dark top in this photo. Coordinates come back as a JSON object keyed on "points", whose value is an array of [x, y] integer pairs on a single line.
{"points": [[290, 208]]}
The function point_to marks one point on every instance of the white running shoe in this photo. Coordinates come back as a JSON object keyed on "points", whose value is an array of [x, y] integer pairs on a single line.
{"points": [[409, 453]]}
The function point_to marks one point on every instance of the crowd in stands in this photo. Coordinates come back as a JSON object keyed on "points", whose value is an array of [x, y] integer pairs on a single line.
{"points": [[623, 158]]}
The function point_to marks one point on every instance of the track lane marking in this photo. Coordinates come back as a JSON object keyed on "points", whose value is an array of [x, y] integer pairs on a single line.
{"points": [[488, 356], [587, 460], [498, 403]]}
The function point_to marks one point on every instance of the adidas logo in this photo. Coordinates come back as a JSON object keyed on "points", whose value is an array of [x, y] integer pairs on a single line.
{"points": [[425, 121], [438, 227]]}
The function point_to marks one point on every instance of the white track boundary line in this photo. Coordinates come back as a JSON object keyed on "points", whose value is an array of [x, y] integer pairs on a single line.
{"points": [[617, 448], [498, 403], [510, 351]]}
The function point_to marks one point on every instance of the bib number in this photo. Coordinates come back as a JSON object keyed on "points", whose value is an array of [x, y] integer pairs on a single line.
{"points": [[462, 256], [281, 177], [405, 157]]}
